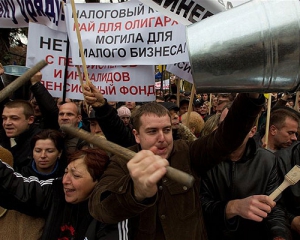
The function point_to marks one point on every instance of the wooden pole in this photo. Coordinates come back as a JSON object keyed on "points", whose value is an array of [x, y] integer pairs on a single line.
{"points": [[268, 120], [178, 91], [210, 103], [296, 107], [20, 81], [79, 42], [190, 105]]}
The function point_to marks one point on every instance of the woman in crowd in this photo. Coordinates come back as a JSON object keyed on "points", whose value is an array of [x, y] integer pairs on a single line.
{"points": [[62, 202], [48, 161]]}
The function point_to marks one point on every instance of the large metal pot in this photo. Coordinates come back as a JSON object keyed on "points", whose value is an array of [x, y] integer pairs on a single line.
{"points": [[254, 47]]}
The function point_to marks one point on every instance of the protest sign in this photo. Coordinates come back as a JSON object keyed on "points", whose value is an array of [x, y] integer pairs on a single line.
{"points": [[18, 13], [182, 70], [125, 33], [117, 83], [186, 12]]}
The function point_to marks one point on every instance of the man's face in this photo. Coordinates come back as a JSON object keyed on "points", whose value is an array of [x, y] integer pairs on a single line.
{"points": [[285, 136], [68, 114], [183, 108], [95, 128], [155, 134], [202, 110], [15, 122], [205, 96], [221, 103], [36, 108], [130, 105], [174, 119]]}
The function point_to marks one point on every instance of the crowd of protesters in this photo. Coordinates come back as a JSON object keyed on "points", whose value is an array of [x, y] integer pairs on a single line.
{"points": [[74, 190]]}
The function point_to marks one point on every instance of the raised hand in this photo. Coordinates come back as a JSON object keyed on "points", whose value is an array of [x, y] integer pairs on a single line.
{"points": [[146, 169]]}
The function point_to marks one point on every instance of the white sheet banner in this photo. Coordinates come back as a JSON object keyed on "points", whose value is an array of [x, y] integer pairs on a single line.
{"points": [[18, 13], [117, 83], [234, 3], [182, 70], [125, 33], [166, 85], [186, 12]]}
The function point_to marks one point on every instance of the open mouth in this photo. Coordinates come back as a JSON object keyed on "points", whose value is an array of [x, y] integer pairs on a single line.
{"points": [[68, 190]]}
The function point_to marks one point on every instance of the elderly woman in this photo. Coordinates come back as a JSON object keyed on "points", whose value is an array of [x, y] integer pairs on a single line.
{"points": [[63, 202]]}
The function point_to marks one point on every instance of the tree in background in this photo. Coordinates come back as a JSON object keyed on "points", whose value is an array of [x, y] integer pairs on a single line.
{"points": [[13, 51]]}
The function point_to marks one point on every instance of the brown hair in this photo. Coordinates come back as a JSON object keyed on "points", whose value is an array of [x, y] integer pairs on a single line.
{"points": [[148, 109], [96, 161], [55, 136], [278, 117], [18, 103]]}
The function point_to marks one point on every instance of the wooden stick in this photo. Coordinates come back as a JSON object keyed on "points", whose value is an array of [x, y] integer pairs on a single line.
{"points": [[296, 107], [20, 81], [210, 103], [80, 76], [178, 91], [81, 83], [291, 178], [80, 42], [190, 106], [268, 121], [172, 173]]}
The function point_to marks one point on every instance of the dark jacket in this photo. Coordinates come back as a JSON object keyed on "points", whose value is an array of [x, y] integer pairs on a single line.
{"points": [[287, 158], [254, 174], [46, 199], [113, 127], [175, 211], [22, 151], [31, 170], [47, 106]]}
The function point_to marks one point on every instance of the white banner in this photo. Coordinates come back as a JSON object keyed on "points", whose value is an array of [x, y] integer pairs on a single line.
{"points": [[166, 84], [187, 12], [18, 13], [125, 33], [117, 83], [182, 70]]}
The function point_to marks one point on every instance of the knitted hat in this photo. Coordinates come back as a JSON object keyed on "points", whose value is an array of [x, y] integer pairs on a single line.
{"points": [[6, 157], [124, 112]]}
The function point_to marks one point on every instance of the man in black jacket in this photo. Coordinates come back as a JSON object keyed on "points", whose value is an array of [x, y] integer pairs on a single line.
{"points": [[18, 129], [287, 158], [235, 198]]}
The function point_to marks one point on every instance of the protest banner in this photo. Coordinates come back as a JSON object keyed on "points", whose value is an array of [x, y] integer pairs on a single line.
{"points": [[125, 33], [182, 70], [185, 12], [18, 13], [117, 83], [165, 86]]}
